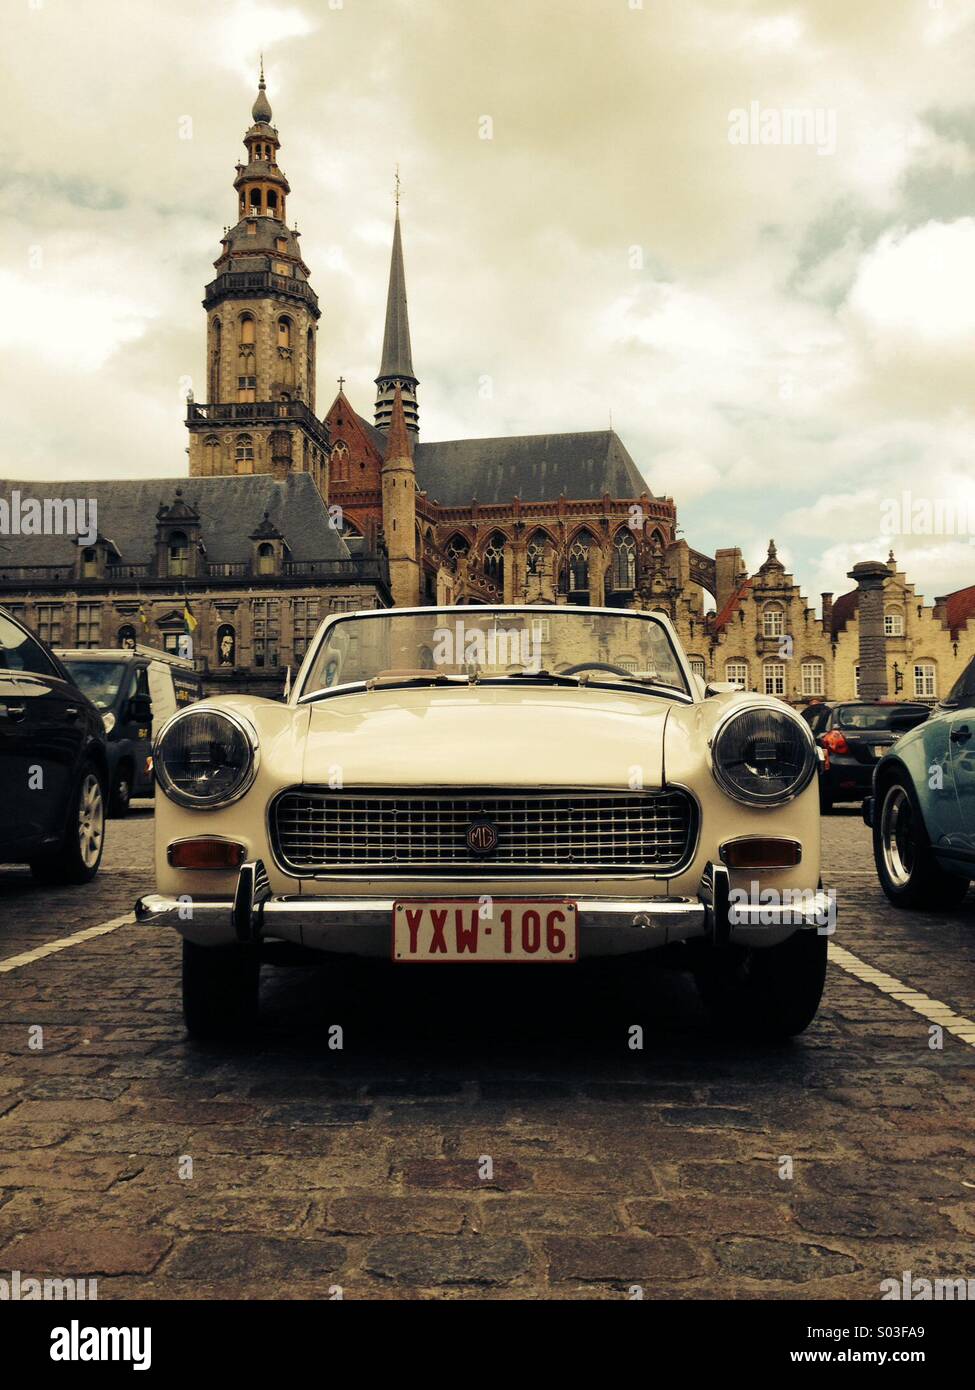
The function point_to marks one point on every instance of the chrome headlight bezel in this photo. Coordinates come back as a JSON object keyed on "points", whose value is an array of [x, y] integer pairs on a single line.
{"points": [[779, 798], [240, 788]]}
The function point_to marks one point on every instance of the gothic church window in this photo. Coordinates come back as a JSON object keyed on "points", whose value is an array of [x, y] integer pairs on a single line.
{"points": [[624, 561], [579, 564], [494, 558]]}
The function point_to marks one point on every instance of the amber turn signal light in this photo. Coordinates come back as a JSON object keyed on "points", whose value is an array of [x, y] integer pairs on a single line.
{"points": [[753, 852], [205, 854]]}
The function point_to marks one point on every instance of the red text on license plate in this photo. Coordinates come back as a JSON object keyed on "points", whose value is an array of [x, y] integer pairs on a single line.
{"points": [[470, 929]]}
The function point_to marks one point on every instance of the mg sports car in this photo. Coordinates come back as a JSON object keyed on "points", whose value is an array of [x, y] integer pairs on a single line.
{"points": [[475, 786]]}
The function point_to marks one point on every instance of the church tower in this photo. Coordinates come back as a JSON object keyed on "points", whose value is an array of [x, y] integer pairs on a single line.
{"points": [[396, 368], [399, 509], [262, 322]]}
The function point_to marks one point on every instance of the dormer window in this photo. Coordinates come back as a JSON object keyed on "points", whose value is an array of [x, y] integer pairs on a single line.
{"points": [[89, 564], [179, 555], [265, 558]]}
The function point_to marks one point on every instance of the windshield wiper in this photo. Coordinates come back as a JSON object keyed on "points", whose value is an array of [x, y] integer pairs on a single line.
{"points": [[552, 677]]}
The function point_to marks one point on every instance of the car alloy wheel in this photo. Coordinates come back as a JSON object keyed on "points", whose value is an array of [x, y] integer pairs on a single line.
{"points": [[91, 821], [898, 836]]}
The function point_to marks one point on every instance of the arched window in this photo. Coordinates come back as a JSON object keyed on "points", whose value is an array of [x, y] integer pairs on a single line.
{"points": [[179, 555], [216, 341], [579, 564], [126, 636], [255, 200], [247, 330], [624, 561], [211, 454], [456, 547], [494, 558], [284, 332], [265, 558], [272, 200], [537, 552], [340, 461], [244, 453], [773, 620], [812, 678]]}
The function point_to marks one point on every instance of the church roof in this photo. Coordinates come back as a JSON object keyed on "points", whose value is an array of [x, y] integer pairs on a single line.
{"points": [[397, 360], [534, 467], [229, 508]]}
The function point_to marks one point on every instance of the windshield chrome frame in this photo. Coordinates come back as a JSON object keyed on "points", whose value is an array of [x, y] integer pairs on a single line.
{"points": [[300, 696]]}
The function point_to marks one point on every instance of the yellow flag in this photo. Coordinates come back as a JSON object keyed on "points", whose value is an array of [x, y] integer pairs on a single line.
{"points": [[189, 620]]}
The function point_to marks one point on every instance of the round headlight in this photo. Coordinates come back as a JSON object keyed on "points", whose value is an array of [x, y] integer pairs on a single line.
{"points": [[763, 755], [205, 758]]}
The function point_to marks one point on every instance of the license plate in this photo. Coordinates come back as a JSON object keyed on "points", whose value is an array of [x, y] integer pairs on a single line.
{"points": [[470, 930]]}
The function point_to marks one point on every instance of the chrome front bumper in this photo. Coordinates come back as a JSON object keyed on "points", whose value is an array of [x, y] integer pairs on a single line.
{"points": [[363, 926]]}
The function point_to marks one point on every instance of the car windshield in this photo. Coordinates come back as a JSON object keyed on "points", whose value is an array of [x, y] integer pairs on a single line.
{"points": [[894, 719], [567, 646], [99, 680]]}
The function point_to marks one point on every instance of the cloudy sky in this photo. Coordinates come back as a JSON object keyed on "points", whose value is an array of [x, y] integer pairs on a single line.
{"points": [[782, 333]]}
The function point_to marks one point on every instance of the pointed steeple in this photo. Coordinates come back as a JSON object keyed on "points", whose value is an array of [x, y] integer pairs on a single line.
{"points": [[396, 367], [399, 447]]}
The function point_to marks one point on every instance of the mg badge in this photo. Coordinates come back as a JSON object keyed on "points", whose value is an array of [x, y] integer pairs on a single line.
{"points": [[482, 836]]}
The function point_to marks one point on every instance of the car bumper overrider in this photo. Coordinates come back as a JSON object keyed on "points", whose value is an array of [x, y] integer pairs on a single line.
{"points": [[363, 925]]}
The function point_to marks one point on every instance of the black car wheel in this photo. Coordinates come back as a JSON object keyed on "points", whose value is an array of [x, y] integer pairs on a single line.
{"points": [[908, 871], [79, 854], [767, 993], [221, 985]]}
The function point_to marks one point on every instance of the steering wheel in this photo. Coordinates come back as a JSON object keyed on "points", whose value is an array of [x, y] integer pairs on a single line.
{"points": [[595, 666]]}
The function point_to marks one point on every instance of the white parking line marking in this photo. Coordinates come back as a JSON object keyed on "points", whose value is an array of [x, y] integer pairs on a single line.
{"points": [[955, 1024], [52, 947]]}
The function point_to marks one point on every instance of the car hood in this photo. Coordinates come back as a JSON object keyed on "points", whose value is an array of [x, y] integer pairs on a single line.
{"points": [[487, 736]]}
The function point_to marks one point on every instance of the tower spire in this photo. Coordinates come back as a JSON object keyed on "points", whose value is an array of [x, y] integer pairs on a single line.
{"points": [[396, 367]]}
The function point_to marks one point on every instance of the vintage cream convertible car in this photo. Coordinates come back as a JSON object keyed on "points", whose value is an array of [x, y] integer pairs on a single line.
{"points": [[483, 785]]}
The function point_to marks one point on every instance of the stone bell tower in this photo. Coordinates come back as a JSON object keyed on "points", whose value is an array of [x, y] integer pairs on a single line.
{"points": [[262, 323]]}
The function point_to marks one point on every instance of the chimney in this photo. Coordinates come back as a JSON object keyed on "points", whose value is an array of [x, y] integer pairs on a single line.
{"points": [[869, 577], [827, 615]]}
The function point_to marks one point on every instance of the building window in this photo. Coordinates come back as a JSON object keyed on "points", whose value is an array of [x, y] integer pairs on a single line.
{"points": [[579, 565], [773, 675], [813, 678], [265, 558], [126, 636], [171, 642], [624, 562], [537, 553], [89, 624], [89, 564], [736, 673], [211, 453], [925, 680], [284, 332], [456, 547], [244, 453], [266, 615], [893, 623], [494, 559], [179, 555], [305, 624], [773, 621], [339, 467], [699, 666], [246, 390], [49, 623], [247, 330]]}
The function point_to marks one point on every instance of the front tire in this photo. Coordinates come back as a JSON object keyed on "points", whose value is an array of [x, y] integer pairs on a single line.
{"points": [[768, 993], [221, 985], [908, 871], [77, 858]]}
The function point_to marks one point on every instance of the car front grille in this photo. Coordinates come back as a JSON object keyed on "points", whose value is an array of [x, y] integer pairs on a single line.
{"points": [[315, 830]]}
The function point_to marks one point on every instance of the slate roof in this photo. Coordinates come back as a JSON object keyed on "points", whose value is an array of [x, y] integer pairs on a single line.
{"points": [[231, 509], [535, 467]]}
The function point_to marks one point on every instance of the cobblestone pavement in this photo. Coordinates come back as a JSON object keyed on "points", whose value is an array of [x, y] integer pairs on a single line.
{"points": [[467, 1144]]}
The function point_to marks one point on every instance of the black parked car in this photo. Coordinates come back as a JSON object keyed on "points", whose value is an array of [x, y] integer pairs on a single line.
{"points": [[854, 735], [53, 763]]}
